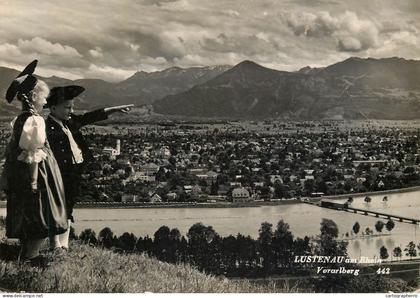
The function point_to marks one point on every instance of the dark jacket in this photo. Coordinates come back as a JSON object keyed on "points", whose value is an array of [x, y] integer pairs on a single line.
{"points": [[59, 142]]}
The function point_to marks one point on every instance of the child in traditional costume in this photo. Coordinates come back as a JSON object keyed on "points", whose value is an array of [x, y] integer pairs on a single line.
{"points": [[31, 178]]}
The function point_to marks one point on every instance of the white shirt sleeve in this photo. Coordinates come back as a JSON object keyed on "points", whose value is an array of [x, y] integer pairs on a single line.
{"points": [[32, 140]]}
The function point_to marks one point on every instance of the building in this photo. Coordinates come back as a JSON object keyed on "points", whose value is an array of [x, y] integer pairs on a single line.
{"points": [[155, 198], [164, 152], [274, 178], [141, 176], [129, 198], [113, 152], [171, 196], [240, 194], [150, 169]]}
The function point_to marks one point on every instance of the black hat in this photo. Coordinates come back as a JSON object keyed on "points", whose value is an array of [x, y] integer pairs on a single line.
{"points": [[24, 82], [60, 94]]}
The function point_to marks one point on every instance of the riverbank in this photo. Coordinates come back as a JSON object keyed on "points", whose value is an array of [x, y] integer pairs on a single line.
{"points": [[119, 205], [185, 204]]}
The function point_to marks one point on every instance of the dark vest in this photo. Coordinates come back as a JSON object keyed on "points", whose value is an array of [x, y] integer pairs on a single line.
{"points": [[60, 144]]}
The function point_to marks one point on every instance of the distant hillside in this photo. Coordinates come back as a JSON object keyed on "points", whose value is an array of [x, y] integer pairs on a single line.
{"points": [[354, 88], [141, 88]]}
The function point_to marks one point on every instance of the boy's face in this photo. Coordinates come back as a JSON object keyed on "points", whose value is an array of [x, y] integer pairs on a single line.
{"points": [[63, 110]]}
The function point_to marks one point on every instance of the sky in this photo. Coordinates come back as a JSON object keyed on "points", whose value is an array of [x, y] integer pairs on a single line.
{"points": [[113, 39]]}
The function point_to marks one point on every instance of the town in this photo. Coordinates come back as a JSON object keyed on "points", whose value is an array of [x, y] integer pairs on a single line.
{"points": [[238, 162]]}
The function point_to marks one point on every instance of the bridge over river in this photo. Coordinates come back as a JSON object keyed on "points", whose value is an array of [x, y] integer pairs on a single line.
{"points": [[346, 208]]}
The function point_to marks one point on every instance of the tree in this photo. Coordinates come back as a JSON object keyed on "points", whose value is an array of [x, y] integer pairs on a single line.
{"points": [[356, 227], [265, 239], [201, 246], [88, 236], [410, 250], [127, 242], [329, 244], [368, 199], [397, 252], [230, 253], [163, 244], [105, 237], [329, 227], [282, 245], [383, 252], [379, 226], [390, 225]]}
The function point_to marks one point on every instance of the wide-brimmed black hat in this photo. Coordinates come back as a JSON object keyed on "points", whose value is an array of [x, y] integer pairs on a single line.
{"points": [[60, 94], [24, 82]]}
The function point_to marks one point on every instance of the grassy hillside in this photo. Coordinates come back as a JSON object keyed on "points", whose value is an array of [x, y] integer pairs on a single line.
{"points": [[93, 270]]}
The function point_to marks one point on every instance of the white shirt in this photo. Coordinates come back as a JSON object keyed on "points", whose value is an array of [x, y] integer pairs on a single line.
{"points": [[32, 139]]}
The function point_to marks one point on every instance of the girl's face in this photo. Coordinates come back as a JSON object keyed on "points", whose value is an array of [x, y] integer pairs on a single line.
{"points": [[40, 95]]}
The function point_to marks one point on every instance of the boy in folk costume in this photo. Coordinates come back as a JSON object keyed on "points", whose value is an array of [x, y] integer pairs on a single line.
{"points": [[68, 145]]}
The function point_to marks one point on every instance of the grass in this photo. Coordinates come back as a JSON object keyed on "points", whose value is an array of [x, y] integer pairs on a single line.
{"points": [[89, 269]]}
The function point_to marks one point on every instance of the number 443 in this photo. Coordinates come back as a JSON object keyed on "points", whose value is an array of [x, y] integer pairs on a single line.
{"points": [[383, 271]]}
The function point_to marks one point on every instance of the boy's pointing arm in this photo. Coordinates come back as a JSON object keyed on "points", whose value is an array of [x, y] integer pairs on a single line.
{"points": [[99, 114]]}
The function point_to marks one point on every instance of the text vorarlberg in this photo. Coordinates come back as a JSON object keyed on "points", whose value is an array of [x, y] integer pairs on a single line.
{"points": [[336, 260]]}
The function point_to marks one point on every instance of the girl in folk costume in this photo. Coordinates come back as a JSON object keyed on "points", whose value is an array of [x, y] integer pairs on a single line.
{"points": [[31, 176]]}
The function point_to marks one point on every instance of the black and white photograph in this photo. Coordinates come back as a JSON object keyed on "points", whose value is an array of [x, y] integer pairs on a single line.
{"points": [[225, 146]]}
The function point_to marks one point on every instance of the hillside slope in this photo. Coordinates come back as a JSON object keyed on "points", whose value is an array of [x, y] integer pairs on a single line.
{"points": [[93, 270]]}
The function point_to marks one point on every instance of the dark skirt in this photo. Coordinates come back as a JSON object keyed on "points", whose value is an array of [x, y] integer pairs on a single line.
{"points": [[35, 215]]}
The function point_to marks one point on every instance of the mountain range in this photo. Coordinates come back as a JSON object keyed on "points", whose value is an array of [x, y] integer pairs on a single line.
{"points": [[142, 88], [356, 88]]}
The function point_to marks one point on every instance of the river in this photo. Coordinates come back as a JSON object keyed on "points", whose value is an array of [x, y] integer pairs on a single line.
{"points": [[303, 219]]}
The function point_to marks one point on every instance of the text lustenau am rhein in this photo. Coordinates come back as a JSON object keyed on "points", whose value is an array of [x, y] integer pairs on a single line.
{"points": [[328, 264]]}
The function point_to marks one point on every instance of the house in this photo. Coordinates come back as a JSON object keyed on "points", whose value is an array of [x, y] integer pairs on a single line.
{"points": [[112, 152], [293, 177], [360, 179], [187, 188], [164, 152], [155, 198], [171, 196], [212, 176], [150, 168], [129, 198], [274, 178], [240, 194], [196, 189], [141, 176], [309, 172]]}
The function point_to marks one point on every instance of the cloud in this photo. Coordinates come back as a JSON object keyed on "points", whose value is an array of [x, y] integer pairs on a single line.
{"points": [[99, 38], [349, 31], [51, 54], [157, 2], [107, 73], [41, 46], [96, 52]]}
